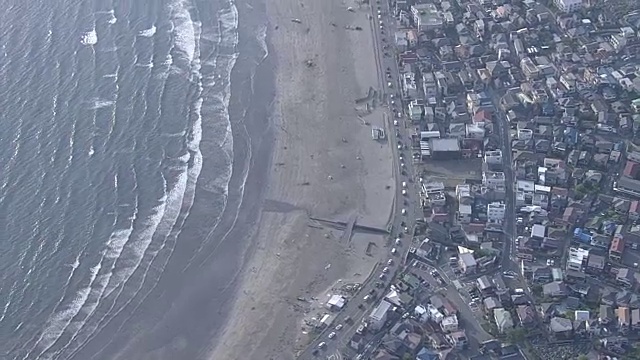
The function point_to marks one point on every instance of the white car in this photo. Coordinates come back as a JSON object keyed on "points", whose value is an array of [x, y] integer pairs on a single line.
{"points": [[550, 262], [389, 262], [404, 211], [398, 242], [395, 122], [339, 327], [332, 335], [393, 251], [404, 184], [404, 192], [385, 270], [322, 344]]}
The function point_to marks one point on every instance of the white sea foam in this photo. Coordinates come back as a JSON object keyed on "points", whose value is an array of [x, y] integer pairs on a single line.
{"points": [[57, 323], [148, 32], [183, 29], [148, 65], [261, 36], [113, 20], [99, 104], [89, 38], [112, 251]]}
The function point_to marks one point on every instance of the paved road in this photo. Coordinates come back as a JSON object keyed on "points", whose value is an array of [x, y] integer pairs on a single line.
{"points": [[509, 249], [404, 174]]}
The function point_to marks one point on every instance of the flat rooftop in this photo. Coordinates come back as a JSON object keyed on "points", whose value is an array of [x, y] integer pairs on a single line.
{"points": [[450, 144]]}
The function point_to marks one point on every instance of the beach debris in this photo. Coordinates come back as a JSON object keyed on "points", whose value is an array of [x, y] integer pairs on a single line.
{"points": [[344, 140], [297, 21], [342, 166], [330, 177], [309, 63], [276, 27], [351, 9], [300, 298], [334, 24], [326, 236], [278, 254], [358, 28], [306, 183], [327, 267]]}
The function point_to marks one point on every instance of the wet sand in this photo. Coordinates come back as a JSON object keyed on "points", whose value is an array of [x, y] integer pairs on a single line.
{"points": [[324, 163]]}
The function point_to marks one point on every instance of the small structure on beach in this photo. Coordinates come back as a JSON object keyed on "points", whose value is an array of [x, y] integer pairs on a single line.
{"points": [[377, 133], [336, 302]]}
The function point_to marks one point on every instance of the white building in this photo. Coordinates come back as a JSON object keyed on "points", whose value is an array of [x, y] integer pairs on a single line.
{"points": [[464, 213], [449, 324], [427, 17], [409, 85], [493, 179], [568, 5], [429, 85], [538, 231], [467, 262], [525, 134], [421, 313], [336, 302], [493, 157], [496, 211], [576, 259], [378, 316], [463, 193], [434, 314]]}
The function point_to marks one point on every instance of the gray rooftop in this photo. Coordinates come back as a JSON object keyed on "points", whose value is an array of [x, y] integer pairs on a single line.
{"points": [[450, 144]]}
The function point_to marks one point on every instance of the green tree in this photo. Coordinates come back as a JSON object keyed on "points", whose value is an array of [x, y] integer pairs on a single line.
{"points": [[537, 290], [407, 356], [570, 315], [516, 335]]}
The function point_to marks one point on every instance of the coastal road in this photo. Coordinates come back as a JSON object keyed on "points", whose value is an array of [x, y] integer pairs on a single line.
{"points": [[405, 209]]}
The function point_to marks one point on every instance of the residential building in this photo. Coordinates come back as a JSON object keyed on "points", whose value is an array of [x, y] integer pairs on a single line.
{"points": [[576, 260], [595, 264], [616, 248], [526, 314], [555, 289], [496, 211], [605, 315], [568, 5], [503, 319], [624, 318], [626, 277], [493, 158], [427, 17], [538, 231], [561, 327], [493, 179], [467, 263], [378, 316], [449, 323], [415, 111], [635, 319]]}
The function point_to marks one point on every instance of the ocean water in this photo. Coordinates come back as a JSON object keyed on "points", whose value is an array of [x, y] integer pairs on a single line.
{"points": [[103, 105]]}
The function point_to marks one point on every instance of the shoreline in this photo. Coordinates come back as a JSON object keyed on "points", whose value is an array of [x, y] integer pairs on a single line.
{"points": [[321, 146]]}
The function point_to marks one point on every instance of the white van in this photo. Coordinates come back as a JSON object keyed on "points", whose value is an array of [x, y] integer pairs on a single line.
{"points": [[404, 184]]}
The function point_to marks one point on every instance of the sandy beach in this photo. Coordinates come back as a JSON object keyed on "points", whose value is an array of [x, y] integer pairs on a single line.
{"points": [[324, 164]]}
